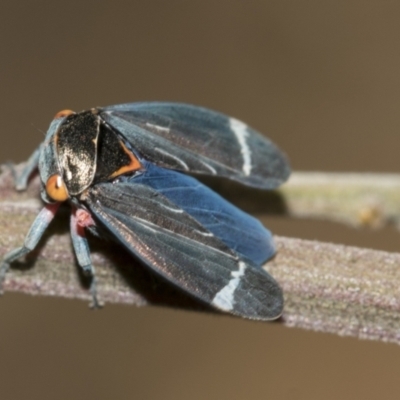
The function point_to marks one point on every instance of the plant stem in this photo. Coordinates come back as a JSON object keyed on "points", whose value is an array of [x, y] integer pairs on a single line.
{"points": [[327, 287]]}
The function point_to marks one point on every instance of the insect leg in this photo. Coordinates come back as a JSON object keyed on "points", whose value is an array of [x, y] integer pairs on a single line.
{"points": [[21, 179], [82, 251], [35, 233]]}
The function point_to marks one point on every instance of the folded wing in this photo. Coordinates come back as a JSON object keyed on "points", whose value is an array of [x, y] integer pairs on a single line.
{"points": [[180, 249], [194, 139]]}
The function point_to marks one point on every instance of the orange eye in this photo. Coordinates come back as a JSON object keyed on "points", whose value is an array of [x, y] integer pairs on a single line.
{"points": [[64, 113], [56, 189]]}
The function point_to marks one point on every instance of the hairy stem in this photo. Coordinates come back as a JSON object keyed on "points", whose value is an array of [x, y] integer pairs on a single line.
{"points": [[331, 288]]}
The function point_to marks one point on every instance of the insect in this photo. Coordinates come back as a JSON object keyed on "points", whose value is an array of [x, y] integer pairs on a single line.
{"points": [[126, 170]]}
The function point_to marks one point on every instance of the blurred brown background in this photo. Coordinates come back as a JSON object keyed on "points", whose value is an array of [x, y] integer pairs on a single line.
{"points": [[322, 79]]}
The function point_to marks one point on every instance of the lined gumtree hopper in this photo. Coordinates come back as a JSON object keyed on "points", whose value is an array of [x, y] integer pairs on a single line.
{"points": [[125, 169]]}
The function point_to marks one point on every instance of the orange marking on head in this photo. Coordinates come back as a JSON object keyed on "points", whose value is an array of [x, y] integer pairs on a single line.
{"points": [[63, 114], [134, 164], [56, 189]]}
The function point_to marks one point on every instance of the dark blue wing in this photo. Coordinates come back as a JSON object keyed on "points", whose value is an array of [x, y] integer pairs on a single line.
{"points": [[198, 140], [180, 249], [238, 230]]}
